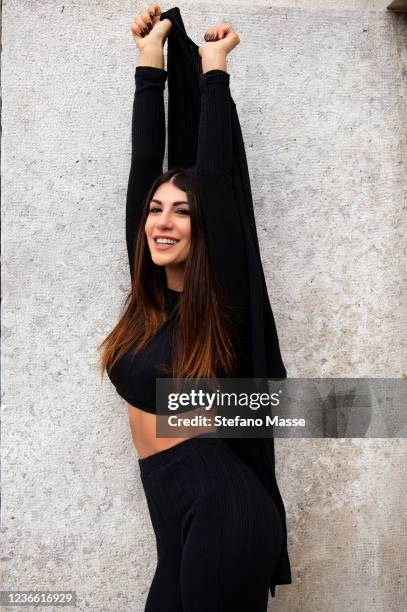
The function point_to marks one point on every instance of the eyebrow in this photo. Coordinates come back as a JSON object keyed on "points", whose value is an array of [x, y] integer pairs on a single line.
{"points": [[174, 203]]}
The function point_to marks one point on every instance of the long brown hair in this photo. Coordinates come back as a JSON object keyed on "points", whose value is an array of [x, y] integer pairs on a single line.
{"points": [[202, 341]]}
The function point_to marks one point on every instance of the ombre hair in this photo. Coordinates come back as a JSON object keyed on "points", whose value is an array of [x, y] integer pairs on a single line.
{"points": [[202, 340]]}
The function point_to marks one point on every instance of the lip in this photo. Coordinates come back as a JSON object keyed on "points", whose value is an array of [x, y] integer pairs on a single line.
{"points": [[164, 247]]}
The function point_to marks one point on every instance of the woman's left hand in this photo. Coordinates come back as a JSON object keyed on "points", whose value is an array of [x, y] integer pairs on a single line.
{"points": [[220, 38]]}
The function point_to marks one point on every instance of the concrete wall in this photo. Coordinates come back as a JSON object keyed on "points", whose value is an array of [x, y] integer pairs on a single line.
{"points": [[326, 5], [322, 100]]}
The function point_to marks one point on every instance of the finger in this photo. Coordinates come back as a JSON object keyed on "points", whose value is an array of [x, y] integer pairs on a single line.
{"points": [[210, 34], [221, 32], [147, 19], [143, 27], [154, 10], [223, 29], [218, 31], [135, 28]]}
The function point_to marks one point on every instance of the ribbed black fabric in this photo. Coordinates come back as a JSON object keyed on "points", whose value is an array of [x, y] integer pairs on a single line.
{"points": [[218, 532], [204, 131]]}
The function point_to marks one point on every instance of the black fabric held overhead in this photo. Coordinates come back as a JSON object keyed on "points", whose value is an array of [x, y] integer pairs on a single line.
{"points": [[228, 208]]}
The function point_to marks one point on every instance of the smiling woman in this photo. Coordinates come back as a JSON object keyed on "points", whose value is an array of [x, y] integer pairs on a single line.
{"points": [[221, 541], [168, 232], [169, 261]]}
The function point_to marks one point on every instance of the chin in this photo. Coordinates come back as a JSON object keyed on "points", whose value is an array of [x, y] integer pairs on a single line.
{"points": [[167, 259], [161, 260]]}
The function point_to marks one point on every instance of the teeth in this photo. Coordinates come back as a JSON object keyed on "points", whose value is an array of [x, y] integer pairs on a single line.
{"points": [[165, 241]]}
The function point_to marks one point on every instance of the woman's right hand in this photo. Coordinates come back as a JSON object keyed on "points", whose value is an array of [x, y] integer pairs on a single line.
{"points": [[147, 28]]}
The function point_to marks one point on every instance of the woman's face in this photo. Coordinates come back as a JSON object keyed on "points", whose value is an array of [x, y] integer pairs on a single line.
{"points": [[168, 226]]}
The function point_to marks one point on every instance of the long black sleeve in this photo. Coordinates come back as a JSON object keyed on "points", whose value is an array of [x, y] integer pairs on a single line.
{"points": [[148, 145], [215, 143], [214, 164]]}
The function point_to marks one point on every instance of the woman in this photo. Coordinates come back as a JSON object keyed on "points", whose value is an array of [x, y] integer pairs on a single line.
{"points": [[219, 534]]}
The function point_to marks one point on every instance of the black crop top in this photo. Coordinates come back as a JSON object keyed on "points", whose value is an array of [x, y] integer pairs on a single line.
{"points": [[134, 374]]}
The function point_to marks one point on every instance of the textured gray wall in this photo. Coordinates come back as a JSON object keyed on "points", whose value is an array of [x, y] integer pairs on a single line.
{"points": [[322, 100]]}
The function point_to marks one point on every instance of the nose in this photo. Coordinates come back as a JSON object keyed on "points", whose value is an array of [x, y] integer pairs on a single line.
{"points": [[164, 220]]}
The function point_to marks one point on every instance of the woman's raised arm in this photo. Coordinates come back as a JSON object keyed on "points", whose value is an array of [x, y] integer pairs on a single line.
{"points": [[214, 165], [215, 146], [148, 145], [148, 122]]}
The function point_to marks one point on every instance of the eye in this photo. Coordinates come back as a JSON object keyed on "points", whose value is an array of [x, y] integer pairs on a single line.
{"points": [[155, 209], [183, 211]]}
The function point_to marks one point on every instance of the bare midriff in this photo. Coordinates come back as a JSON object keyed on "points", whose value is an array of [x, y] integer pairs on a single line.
{"points": [[144, 433]]}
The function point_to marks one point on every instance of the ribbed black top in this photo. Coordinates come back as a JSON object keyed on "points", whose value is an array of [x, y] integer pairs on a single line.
{"points": [[134, 374]]}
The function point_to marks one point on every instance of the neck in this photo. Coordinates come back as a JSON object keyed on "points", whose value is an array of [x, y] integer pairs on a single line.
{"points": [[175, 276]]}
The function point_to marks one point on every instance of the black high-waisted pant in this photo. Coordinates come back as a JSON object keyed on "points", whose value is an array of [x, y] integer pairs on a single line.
{"points": [[217, 530]]}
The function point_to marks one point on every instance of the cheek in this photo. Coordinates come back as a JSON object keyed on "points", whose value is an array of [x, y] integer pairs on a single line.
{"points": [[147, 227]]}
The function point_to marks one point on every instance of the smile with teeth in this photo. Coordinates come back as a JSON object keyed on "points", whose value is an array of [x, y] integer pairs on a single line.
{"points": [[165, 243]]}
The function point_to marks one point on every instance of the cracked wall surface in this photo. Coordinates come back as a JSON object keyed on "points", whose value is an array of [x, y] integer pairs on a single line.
{"points": [[321, 96]]}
